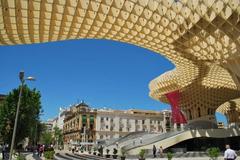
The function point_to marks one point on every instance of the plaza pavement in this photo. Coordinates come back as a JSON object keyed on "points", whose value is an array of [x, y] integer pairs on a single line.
{"points": [[30, 156]]}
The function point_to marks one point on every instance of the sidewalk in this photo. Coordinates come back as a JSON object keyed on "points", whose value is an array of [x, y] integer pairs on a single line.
{"points": [[180, 158], [32, 156], [29, 156]]}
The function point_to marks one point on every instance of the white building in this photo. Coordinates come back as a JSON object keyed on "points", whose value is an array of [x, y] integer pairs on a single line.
{"points": [[57, 121], [117, 123]]}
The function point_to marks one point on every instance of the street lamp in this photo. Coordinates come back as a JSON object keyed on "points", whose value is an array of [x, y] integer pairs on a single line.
{"points": [[22, 79]]}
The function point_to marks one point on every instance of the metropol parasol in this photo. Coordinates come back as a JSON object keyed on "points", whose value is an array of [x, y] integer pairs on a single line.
{"points": [[201, 37]]}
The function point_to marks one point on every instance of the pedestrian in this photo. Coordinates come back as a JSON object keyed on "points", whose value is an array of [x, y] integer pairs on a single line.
{"points": [[41, 148], [154, 151], [101, 150], [38, 150], [141, 140], [73, 149], [3, 151], [161, 152], [229, 154]]}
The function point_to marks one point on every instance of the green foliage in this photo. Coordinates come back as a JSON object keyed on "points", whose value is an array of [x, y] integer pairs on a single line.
{"points": [[94, 149], [115, 151], [21, 157], [46, 138], [107, 150], [142, 153], [49, 154], [58, 136], [82, 149], [29, 111], [213, 152], [123, 151], [169, 155]]}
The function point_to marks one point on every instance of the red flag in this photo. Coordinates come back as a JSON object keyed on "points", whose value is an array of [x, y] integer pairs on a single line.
{"points": [[177, 115]]}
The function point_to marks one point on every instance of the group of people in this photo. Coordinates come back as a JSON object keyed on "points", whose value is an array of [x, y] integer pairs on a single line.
{"points": [[229, 154], [160, 151], [40, 150]]}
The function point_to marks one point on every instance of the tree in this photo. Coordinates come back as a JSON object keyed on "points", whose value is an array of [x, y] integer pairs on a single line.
{"points": [[213, 152], [58, 136], [46, 138], [30, 109]]}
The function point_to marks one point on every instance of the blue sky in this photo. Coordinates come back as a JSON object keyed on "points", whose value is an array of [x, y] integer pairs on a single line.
{"points": [[103, 73]]}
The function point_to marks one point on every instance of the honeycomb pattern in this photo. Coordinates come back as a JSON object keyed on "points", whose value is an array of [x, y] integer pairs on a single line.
{"points": [[198, 36], [231, 109]]}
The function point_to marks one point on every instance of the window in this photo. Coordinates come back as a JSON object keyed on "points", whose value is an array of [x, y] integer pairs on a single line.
{"points": [[106, 126], [107, 118], [91, 118], [136, 121], [151, 121], [143, 121], [84, 118], [158, 122], [120, 129], [102, 119], [111, 128]]}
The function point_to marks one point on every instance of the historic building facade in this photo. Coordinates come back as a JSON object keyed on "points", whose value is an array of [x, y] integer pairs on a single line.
{"points": [[80, 125], [86, 126]]}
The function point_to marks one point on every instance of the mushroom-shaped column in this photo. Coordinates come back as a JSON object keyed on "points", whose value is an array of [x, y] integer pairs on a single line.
{"points": [[231, 110]]}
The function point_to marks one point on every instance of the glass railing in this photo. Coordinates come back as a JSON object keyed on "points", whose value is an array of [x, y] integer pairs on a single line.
{"points": [[129, 136], [153, 139]]}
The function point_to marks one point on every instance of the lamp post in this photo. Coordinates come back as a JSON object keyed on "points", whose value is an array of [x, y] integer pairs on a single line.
{"points": [[22, 79]]}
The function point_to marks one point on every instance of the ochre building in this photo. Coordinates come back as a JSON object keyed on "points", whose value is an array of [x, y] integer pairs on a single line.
{"points": [[80, 126], [200, 37]]}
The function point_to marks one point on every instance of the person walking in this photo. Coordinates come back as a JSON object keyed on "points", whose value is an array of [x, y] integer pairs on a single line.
{"points": [[161, 152], [154, 151], [229, 154], [41, 150], [73, 149]]}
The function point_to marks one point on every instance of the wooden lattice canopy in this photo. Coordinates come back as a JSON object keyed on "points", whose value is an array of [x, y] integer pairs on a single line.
{"points": [[201, 37]]}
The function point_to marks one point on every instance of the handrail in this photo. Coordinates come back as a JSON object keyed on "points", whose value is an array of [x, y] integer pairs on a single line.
{"points": [[153, 139]]}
